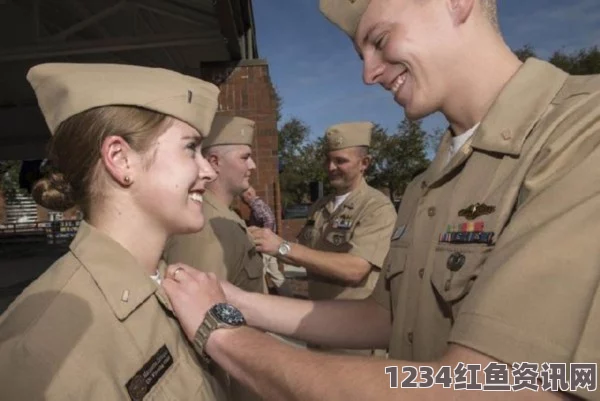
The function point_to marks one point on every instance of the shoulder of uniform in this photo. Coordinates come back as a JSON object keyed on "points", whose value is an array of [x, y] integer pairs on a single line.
{"points": [[322, 201], [576, 112], [378, 198], [376, 201], [44, 342], [50, 294], [191, 240], [574, 121], [578, 85]]}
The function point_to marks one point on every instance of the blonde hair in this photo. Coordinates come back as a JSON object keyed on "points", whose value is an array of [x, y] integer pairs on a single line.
{"points": [[75, 153]]}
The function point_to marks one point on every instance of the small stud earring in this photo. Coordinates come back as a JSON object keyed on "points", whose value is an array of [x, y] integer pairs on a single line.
{"points": [[127, 180]]}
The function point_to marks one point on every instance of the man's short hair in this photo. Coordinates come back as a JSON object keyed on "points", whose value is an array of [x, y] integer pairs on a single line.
{"points": [[490, 10], [362, 151], [219, 151]]}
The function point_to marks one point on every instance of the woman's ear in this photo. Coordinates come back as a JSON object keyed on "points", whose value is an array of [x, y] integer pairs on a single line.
{"points": [[118, 158]]}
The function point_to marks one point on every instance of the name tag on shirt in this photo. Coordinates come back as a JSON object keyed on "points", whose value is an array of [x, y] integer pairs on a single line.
{"points": [[145, 378]]}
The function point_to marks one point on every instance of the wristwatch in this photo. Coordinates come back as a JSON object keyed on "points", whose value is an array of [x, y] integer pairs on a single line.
{"points": [[284, 248], [219, 316]]}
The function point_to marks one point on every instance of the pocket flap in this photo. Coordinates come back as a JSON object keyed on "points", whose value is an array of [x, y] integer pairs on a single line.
{"points": [[254, 265], [395, 262], [456, 268]]}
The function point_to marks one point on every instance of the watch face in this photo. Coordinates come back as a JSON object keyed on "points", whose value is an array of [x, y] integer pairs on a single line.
{"points": [[284, 249], [228, 314]]}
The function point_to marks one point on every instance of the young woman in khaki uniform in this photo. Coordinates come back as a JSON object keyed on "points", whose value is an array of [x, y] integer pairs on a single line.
{"points": [[96, 325]]}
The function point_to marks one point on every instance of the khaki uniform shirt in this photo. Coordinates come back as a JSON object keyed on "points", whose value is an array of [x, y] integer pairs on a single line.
{"points": [[517, 276], [361, 226], [223, 247], [95, 326]]}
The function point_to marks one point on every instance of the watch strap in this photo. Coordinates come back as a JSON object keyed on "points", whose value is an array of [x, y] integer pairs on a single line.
{"points": [[208, 325]]}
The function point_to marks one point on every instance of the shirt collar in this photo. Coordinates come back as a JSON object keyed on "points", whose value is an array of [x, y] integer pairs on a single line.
{"points": [[210, 198], [123, 282], [350, 201], [521, 103]]}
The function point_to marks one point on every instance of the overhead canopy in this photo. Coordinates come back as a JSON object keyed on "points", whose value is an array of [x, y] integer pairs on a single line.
{"points": [[177, 34]]}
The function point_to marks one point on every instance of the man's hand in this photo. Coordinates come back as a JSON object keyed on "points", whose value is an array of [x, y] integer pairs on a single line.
{"points": [[234, 294], [266, 241], [192, 293]]}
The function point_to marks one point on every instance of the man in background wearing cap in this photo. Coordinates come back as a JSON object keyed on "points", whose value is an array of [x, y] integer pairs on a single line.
{"points": [[494, 257], [346, 236], [223, 247]]}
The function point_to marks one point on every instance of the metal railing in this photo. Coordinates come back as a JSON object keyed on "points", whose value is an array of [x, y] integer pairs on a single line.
{"points": [[53, 232]]}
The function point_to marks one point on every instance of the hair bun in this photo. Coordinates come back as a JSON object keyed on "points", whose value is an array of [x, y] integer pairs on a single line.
{"points": [[53, 192]]}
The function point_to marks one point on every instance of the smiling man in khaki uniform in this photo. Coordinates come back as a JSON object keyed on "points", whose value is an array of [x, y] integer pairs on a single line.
{"points": [[494, 259], [346, 236], [223, 246]]}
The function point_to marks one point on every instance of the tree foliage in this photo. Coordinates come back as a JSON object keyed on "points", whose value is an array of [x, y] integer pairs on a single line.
{"points": [[397, 157], [298, 161], [525, 52], [581, 62]]}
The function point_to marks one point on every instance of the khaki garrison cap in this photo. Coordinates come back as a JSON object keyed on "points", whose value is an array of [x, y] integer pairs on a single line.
{"points": [[345, 14], [348, 135], [227, 130], [66, 89]]}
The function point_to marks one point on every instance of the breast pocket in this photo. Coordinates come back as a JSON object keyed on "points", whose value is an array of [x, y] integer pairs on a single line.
{"points": [[339, 240], [253, 266], [456, 267], [251, 272], [395, 264], [307, 235]]}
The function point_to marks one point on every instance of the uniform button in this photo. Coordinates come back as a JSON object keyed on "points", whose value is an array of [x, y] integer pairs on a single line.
{"points": [[421, 272], [410, 337], [431, 211], [455, 261]]}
